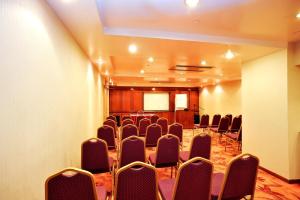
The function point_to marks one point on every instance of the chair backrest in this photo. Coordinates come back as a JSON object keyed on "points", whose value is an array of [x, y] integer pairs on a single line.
{"points": [[154, 119], [106, 133], [224, 125], [204, 122], [194, 180], [229, 116], [236, 124], [111, 123], [201, 146], [138, 119], [132, 149], [91, 149], [144, 123], [112, 118], [153, 133], [136, 181], [240, 177], [177, 130], [216, 120], [163, 122], [127, 121], [71, 184], [167, 152], [129, 130], [125, 117]]}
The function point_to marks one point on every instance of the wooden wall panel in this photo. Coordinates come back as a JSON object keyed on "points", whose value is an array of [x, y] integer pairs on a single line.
{"points": [[126, 101]]}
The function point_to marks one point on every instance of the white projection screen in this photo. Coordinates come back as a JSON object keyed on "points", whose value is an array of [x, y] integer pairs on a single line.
{"points": [[156, 101], [181, 101]]}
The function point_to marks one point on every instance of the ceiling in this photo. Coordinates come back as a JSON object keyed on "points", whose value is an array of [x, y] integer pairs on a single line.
{"points": [[173, 35]]}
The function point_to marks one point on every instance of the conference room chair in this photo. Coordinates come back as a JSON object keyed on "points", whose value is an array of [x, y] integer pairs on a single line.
{"points": [[204, 123], [138, 119], [127, 121], [167, 152], [215, 121], [163, 122], [234, 132], [154, 118], [132, 149], [200, 147], [177, 130], [144, 123], [239, 179], [113, 124], [136, 181], [193, 181], [73, 184], [106, 133], [222, 128], [94, 156], [128, 130], [112, 117], [125, 117], [229, 116], [153, 133]]}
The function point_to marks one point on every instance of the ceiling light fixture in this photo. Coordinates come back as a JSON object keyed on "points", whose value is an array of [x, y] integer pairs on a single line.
{"points": [[298, 15], [203, 62], [229, 55], [132, 48], [150, 59], [142, 71], [153, 89], [106, 73], [100, 62], [191, 3]]}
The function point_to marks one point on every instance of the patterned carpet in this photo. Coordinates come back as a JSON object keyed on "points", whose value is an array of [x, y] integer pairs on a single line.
{"points": [[268, 187]]}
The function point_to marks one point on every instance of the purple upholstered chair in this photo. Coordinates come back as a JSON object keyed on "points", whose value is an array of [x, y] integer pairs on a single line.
{"points": [[222, 128], [112, 118], [127, 121], [177, 130], [128, 130], [136, 181], [234, 137], [106, 133], [215, 121], [154, 119], [167, 152], [239, 179], [94, 156], [144, 123], [204, 123], [229, 118], [138, 119], [163, 122], [73, 184], [132, 149], [201, 145], [192, 182], [236, 124], [153, 133], [111, 123]]}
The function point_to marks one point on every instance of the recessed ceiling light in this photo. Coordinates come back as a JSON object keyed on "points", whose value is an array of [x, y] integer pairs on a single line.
{"points": [[132, 48], [156, 79], [229, 55], [298, 15], [153, 89], [106, 73], [100, 61], [191, 3], [203, 62], [150, 59], [142, 71]]}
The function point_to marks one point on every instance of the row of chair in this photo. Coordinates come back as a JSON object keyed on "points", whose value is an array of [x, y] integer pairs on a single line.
{"points": [[138, 180]]}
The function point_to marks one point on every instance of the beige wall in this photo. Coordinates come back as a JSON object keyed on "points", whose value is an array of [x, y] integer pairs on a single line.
{"points": [[265, 114], [51, 98], [294, 110], [223, 98]]}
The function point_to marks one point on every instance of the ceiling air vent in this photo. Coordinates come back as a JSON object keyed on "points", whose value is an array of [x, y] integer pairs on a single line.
{"points": [[191, 68]]}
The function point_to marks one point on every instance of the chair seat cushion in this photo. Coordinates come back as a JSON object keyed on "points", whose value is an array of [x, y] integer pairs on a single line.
{"points": [[217, 181], [101, 192], [152, 158], [232, 135], [184, 155], [165, 187], [214, 129]]}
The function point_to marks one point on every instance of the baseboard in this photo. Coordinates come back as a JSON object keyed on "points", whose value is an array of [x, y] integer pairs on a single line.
{"points": [[290, 181]]}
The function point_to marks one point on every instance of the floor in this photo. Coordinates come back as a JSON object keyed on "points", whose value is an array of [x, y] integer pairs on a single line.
{"points": [[268, 187]]}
